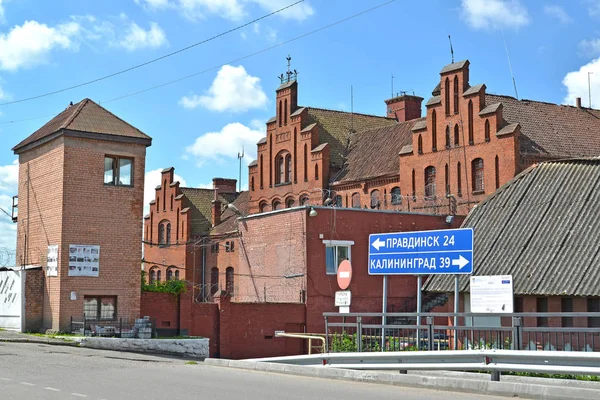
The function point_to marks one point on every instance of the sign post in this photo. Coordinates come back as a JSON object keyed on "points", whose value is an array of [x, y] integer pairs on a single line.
{"points": [[436, 252]]}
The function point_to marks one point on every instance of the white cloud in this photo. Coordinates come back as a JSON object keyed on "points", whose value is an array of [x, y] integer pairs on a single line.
{"points": [[218, 146], [153, 4], [9, 178], [1, 11], [593, 7], [30, 44], [197, 9], [576, 83], [299, 12], [589, 48], [152, 179], [271, 34], [494, 14], [559, 13], [232, 90], [137, 38]]}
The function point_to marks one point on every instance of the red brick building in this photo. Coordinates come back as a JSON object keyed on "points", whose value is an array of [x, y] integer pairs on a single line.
{"points": [[81, 188]]}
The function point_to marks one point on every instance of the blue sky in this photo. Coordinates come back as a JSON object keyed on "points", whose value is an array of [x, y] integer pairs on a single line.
{"points": [[198, 125]]}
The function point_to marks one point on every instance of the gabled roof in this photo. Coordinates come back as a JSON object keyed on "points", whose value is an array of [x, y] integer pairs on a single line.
{"points": [[200, 203], [551, 129], [474, 89], [375, 152], [433, 100], [541, 228], [229, 217], [335, 128], [454, 66], [86, 117]]}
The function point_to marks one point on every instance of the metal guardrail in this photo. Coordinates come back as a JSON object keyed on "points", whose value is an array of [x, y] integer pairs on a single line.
{"points": [[309, 337], [493, 361]]}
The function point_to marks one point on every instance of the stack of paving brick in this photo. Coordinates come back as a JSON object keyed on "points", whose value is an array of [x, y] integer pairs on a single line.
{"points": [[143, 326]]}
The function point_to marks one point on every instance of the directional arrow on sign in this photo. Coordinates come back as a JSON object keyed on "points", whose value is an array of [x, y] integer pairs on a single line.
{"points": [[377, 244], [461, 262]]}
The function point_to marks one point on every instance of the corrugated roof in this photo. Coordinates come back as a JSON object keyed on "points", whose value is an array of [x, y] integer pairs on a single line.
{"points": [[335, 127], [375, 152], [541, 228], [229, 217], [85, 116]]}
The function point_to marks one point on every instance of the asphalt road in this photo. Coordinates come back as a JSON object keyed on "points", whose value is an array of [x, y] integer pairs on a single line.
{"points": [[38, 371]]}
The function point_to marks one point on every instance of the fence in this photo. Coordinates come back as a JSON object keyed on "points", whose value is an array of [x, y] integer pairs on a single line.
{"points": [[432, 331], [141, 328]]}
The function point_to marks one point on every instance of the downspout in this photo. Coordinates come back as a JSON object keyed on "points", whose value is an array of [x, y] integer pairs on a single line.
{"points": [[202, 291]]}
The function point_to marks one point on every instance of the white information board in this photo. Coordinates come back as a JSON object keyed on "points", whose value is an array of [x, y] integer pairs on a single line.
{"points": [[343, 298], [492, 294], [84, 260]]}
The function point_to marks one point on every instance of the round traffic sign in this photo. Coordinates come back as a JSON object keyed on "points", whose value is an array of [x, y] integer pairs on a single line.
{"points": [[344, 274]]}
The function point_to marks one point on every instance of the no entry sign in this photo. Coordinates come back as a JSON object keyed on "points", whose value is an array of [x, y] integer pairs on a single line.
{"points": [[344, 274]]}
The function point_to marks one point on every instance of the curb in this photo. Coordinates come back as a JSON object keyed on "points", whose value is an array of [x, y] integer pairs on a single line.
{"points": [[38, 341], [506, 389]]}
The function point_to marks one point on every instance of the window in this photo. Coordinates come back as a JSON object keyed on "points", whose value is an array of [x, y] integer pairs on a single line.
{"points": [[375, 203], [458, 180], [414, 186], [177, 274], [261, 171], [152, 275], [229, 281], [164, 233], [118, 171], [289, 203], [456, 138], [168, 234], [304, 200], [420, 141], [477, 174], [316, 172], [542, 306], [252, 184], [262, 207], [433, 131], [158, 276], [430, 182], [100, 307], [456, 95], [355, 200], [338, 201], [214, 247], [280, 174], [448, 137], [447, 179], [396, 197], [285, 108], [277, 205], [497, 171], [471, 141], [232, 246], [214, 280], [227, 249], [487, 130], [169, 274], [336, 251], [305, 163], [280, 112], [593, 305], [229, 246], [288, 168], [566, 305], [447, 96], [161, 233]]}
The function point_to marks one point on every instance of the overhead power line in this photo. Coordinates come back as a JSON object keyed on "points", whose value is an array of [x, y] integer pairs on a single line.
{"points": [[153, 60]]}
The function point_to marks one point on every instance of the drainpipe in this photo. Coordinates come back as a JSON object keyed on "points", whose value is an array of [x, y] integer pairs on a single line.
{"points": [[203, 290]]}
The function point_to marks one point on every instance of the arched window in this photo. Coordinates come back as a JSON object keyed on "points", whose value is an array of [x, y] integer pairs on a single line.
{"points": [[168, 234], [458, 180], [447, 96], [396, 197], [169, 274], [430, 189], [171, 202], [355, 200], [433, 131], [262, 207], [285, 113], [214, 280], [252, 184], [316, 172], [497, 172], [456, 137], [261, 172], [153, 274], [471, 141], [280, 112], [277, 205], [177, 227], [447, 179], [229, 281], [448, 137], [456, 95], [414, 186], [420, 144], [487, 130], [288, 168], [375, 203], [280, 173], [338, 201], [305, 163], [290, 202], [385, 197], [161, 233], [177, 274], [477, 174], [158, 276], [304, 200]]}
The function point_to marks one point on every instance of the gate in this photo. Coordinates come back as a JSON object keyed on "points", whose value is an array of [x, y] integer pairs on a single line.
{"points": [[11, 298]]}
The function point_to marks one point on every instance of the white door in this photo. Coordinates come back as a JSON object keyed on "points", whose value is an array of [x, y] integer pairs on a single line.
{"points": [[11, 299]]}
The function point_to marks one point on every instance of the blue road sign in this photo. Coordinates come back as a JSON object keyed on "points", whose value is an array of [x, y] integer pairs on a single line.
{"points": [[448, 251]]}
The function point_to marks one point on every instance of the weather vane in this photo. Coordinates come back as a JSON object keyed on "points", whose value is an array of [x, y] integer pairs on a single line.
{"points": [[289, 75]]}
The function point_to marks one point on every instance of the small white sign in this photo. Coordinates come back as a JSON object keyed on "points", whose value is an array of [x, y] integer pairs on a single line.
{"points": [[52, 261], [73, 295], [343, 298], [492, 294], [344, 310]]}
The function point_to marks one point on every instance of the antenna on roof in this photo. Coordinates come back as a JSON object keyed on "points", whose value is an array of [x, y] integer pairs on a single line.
{"points": [[392, 85], [240, 157], [351, 109], [589, 89], [451, 49], [510, 66]]}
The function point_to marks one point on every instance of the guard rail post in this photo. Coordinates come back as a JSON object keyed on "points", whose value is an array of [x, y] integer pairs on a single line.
{"points": [[326, 335], [517, 333], [359, 334], [429, 321]]}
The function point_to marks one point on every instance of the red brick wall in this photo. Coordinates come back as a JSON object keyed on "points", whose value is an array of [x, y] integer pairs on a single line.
{"points": [[364, 190], [34, 299], [222, 259]]}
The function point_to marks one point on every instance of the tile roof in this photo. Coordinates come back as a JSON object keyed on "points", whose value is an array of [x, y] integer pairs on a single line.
{"points": [[550, 129], [85, 116], [319, 148], [474, 89], [406, 149], [375, 152], [420, 125], [335, 126], [308, 128], [200, 203], [433, 100], [541, 229], [229, 217], [508, 129], [454, 66]]}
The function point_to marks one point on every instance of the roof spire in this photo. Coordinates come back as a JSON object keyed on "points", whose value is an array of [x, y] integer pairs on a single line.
{"points": [[289, 75]]}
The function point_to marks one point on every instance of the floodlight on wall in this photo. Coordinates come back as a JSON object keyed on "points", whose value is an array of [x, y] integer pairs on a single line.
{"points": [[234, 208], [450, 219], [313, 212]]}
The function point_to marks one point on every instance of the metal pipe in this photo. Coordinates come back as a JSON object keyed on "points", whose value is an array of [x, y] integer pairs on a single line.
{"points": [[419, 300], [384, 310], [456, 300]]}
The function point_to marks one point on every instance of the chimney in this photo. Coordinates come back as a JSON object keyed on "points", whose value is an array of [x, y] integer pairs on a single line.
{"points": [[578, 102], [216, 212], [404, 108], [222, 185]]}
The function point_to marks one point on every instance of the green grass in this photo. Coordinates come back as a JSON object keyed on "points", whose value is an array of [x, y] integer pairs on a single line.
{"points": [[57, 335], [191, 363]]}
